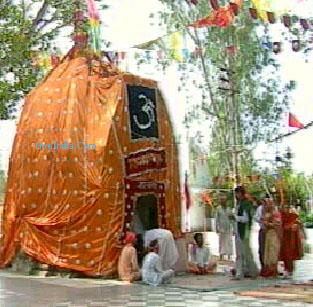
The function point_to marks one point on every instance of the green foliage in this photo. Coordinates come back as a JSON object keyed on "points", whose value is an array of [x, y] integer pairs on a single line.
{"points": [[260, 98], [25, 26], [295, 187]]}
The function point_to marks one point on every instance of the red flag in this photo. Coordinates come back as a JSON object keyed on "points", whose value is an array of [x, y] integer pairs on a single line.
{"points": [[294, 122], [187, 193], [222, 17]]}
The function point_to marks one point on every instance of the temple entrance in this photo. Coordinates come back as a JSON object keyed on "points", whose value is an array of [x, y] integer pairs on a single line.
{"points": [[145, 213]]}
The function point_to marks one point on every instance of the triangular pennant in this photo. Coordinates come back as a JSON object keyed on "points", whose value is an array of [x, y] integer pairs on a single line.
{"points": [[276, 47], [267, 45], [214, 4], [79, 16], [160, 54], [253, 13], [287, 21], [231, 50], [294, 122], [295, 45], [176, 45], [304, 23], [234, 8], [271, 17], [148, 45]]}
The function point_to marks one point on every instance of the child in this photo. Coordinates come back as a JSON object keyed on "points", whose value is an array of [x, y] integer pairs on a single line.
{"points": [[152, 272]]}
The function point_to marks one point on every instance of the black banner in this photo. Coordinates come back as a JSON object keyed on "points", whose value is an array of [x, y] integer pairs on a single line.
{"points": [[142, 112]]}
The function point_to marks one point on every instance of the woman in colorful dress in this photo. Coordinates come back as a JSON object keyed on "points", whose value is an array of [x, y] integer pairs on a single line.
{"points": [[291, 245], [271, 219]]}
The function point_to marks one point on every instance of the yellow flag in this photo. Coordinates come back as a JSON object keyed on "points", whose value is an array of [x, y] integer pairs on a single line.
{"points": [[262, 7], [279, 7], [176, 44]]}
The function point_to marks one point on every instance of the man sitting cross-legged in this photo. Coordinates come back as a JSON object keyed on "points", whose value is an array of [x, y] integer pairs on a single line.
{"points": [[200, 258]]}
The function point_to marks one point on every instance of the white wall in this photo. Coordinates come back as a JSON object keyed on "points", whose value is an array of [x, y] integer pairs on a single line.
{"points": [[7, 132]]}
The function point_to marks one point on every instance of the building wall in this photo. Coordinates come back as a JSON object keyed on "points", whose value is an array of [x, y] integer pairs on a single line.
{"points": [[7, 132]]}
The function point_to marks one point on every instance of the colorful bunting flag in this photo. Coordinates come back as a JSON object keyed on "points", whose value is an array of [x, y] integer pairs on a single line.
{"points": [[294, 122], [231, 50], [267, 45], [79, 16], [262, 6], [271, 17], [55, 60], [276, 47], [220, 17], [187, 193], [94, 26], [287, 21], [176, 46], [295, 45], [253, 13], [214, 4], [304, 23], [234, 8]]}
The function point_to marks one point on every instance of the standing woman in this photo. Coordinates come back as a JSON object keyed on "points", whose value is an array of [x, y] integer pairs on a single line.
{"points": [[291, 247], [271, 219]]}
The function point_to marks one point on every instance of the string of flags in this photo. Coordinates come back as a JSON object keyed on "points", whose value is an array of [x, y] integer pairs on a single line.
{"points": [[231, 179], [178, 52], [94, 26], [223, 16]]}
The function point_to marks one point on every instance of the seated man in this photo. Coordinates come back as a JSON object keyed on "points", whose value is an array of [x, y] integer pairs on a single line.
{"points": [[128, 269], [200, 257], [152, 273]]}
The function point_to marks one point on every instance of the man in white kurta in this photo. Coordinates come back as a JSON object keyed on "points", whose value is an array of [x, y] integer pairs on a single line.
{"points": [[152, 272], [199, 256], [224, 228]]}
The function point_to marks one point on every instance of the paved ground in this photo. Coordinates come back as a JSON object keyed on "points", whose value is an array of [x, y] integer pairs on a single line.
{"points": [[18, 291]]}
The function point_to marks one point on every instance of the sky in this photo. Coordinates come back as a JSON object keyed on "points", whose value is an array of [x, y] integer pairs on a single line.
{"points": [[127, 23]]}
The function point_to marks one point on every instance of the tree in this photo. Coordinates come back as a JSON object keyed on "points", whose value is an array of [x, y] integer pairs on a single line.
{"points": [[25, 26], [250, 110]]}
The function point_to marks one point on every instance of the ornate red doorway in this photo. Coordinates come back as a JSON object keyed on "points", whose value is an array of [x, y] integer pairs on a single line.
{"points": [[144, 193]]}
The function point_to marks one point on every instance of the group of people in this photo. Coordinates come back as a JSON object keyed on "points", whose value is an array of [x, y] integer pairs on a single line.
{"points": [[280, 239], [280, 236], [158, 263]]}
